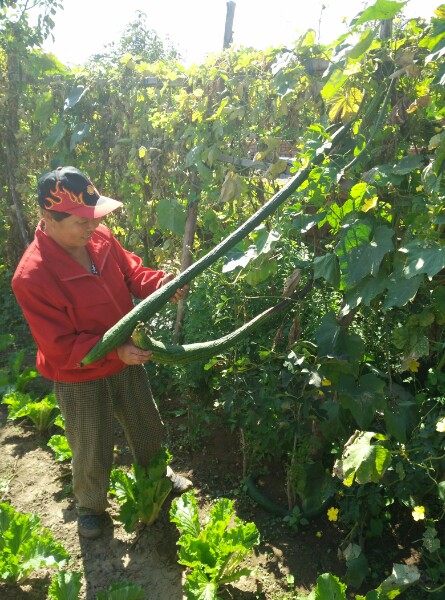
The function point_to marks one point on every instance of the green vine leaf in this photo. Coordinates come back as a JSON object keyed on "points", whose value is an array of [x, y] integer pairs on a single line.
{"points": [[422, 259], [171, 216], [363, 397], [361, 252], [380, 11], [365, 462]]}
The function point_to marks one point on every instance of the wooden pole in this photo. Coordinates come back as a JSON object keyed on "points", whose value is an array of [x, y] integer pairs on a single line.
{"points": [[228, 30]]}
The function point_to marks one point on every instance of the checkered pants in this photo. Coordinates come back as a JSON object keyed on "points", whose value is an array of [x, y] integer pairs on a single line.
{"points": [[88, 409]]}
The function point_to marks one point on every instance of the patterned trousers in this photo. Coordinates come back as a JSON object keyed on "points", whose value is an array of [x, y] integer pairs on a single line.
{"points": [[88, 409]]}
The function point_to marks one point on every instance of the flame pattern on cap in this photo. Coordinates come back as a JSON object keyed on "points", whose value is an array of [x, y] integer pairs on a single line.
{"points": [[60, 195]]}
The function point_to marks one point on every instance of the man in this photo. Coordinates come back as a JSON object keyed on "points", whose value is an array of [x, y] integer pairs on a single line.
{"points": [[73, 283]]}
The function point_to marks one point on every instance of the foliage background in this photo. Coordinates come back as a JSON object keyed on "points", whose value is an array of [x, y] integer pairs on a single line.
{"points": [[350, 382]]}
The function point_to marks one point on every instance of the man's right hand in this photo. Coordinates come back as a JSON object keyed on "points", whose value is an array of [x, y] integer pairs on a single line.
{"points": [[132, 355]]}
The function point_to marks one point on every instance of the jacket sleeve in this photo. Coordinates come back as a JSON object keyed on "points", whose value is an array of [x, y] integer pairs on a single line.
{"points": [[56, 338], [141, 281]]}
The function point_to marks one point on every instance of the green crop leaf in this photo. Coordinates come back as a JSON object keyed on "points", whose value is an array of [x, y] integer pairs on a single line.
{"points": [[363, 461], [198, 586], [171, 216], [335, 341], [366, 39], [122, 590], [59, 445], [42, 413], [363, 397], [65, 586], [429, 260], [213, 550], [402, 577], [143, 491], [75, 96], [56, 134], [326, 267], [380, 11], [184, 512], [362, 251], [25, 546], [402, 290], [329, 587], [409, 164]]}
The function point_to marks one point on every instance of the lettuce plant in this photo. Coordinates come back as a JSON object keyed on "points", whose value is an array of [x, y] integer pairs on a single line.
{"points": [[13, 377], [143, 491], [65, 586], [213, 551], [43, 412], [25, 546], [59, 445]]}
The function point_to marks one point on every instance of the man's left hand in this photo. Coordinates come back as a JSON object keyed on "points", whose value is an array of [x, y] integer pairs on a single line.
{"points": [[180, 293]]}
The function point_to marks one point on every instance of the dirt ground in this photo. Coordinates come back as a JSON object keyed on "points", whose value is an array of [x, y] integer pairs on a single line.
{"points": [[285, 562]]}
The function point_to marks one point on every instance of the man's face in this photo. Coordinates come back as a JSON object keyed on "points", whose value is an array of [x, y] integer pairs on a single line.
{"points": [[72, 232]]}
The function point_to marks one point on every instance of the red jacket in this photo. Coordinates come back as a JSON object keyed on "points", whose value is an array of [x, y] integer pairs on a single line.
{"points": [[68, 309]]}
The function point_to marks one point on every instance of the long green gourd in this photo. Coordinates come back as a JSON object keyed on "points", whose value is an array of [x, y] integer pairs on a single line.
{"points": [[187, 353], [122, 330]]}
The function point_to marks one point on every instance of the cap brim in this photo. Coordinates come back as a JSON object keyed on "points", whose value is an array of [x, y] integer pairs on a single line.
{"points": [[103, 207]]}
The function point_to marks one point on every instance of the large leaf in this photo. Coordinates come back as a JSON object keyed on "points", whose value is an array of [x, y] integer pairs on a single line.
{"points": [[422, 259], [380, 11], [264, 242], [199, 587], [365, 41], [409, 163], [122, 590], [335, 341], [74, 96], [329, 587], [171, 216], [400, 419], [184, 512], [402, 577], [402, 290], [362, 251], [65, 586], [363, 397], [79, 135], [56, 134], [326, 267], [365, 462], [364, 292]]}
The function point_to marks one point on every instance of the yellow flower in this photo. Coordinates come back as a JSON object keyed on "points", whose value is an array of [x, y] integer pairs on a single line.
{"points": [[319, 534], [440, 425], [332, 513], [418, 513], [419, 188], [413, 365], [326, 382]]}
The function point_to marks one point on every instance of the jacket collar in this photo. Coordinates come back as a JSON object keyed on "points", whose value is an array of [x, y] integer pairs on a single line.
{"points": [[62, 263]]}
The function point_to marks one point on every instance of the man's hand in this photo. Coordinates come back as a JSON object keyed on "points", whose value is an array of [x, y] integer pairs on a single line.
{"points": [[131, 355], [180, 293]]}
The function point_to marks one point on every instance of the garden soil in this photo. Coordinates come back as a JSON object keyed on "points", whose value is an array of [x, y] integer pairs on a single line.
{"points": [[286, 562]]}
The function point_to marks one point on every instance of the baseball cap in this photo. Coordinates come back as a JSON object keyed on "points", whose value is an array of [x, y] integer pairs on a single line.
{"points": [[66, 189]]}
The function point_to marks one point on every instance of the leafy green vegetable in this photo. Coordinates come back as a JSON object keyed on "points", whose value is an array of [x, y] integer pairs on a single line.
{"points": [[215, 550], [142, 492], [65, 586], [59, 445], [13, 378], [25, 546], [43, 413], [122, 590]]}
